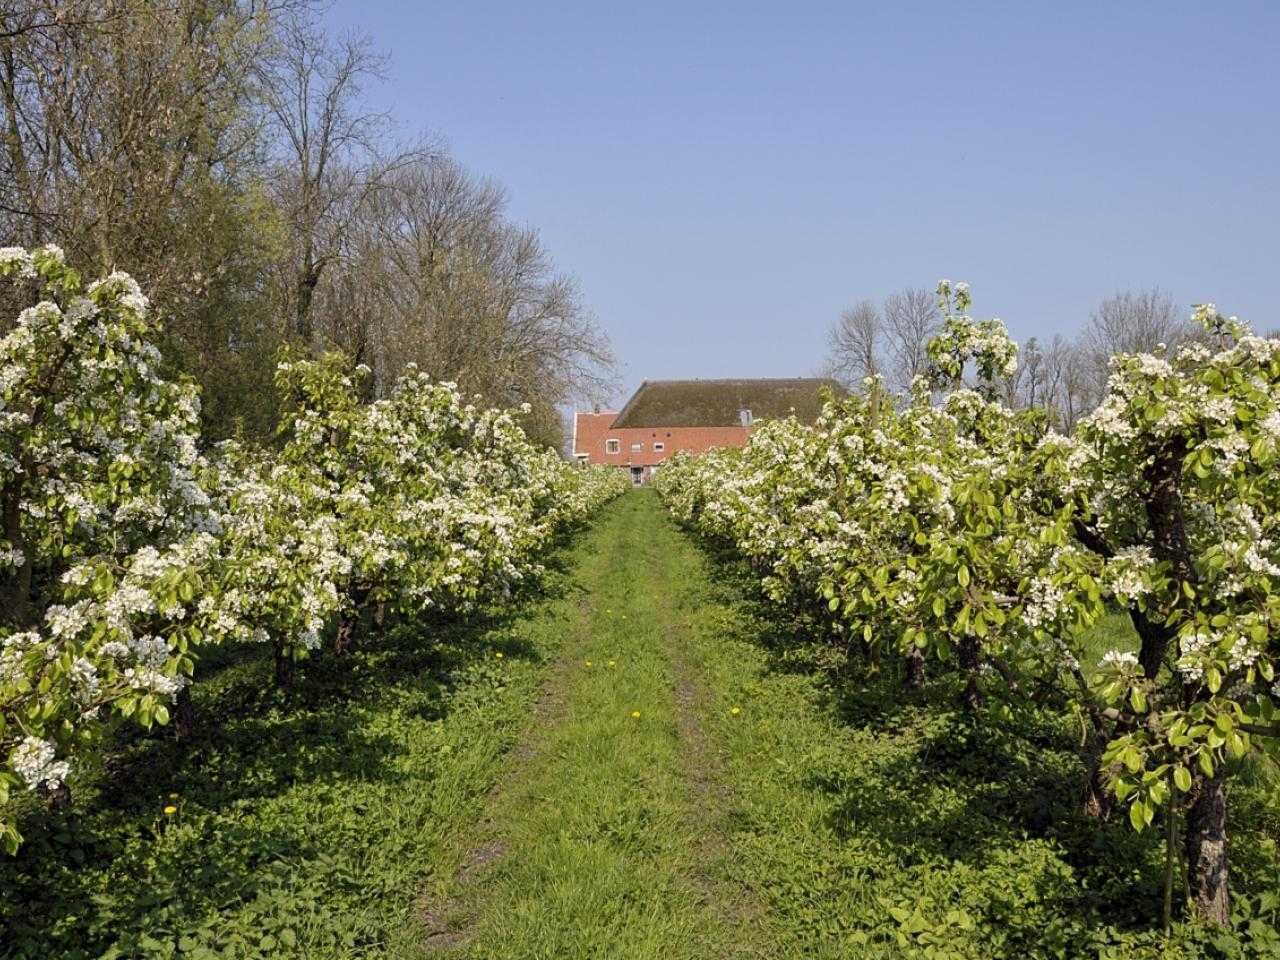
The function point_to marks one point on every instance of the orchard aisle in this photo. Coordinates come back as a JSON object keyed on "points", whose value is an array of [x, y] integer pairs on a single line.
{"points": [[604, 838]]}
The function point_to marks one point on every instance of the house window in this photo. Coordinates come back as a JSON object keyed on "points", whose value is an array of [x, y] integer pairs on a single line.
{"points": [[612, 446], [659, 446], [637, 447]]}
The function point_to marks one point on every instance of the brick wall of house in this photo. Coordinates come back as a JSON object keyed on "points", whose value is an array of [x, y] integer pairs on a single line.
{"points": [[592, 431]]}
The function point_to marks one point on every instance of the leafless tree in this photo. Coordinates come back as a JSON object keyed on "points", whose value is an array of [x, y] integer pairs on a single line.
{"points": [[911, 319], [331, 153], [854, 343], [1133, 322], [890, 341], [1130, 322], [433, 273]]}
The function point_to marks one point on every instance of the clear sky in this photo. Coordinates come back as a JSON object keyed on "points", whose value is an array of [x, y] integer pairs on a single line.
{"points": [[724, 178]]}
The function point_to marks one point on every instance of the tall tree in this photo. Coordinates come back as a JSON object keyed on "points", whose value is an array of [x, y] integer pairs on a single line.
{"points": [[330, 152], [854, 343], [889, 341], [911, 319], [131, 138]]}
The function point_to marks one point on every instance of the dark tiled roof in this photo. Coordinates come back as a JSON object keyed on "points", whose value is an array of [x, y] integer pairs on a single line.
{"points": [[717, 403]]}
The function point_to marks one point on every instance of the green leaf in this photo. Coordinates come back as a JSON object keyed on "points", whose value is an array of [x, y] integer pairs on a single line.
{"points": [[1206, 763], [1138, 815], [1182, 778]]}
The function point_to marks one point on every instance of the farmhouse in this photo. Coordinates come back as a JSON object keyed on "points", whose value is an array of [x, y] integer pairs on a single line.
{"points": [[664, 416]]}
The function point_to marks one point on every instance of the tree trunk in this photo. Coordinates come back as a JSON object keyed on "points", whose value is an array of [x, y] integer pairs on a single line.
{"points": [[914, 663], [1206, 846], [284, 669], [1098, 800], [1169, 542], [57, 798], [184, 714], [970, 648], [346, 630]]}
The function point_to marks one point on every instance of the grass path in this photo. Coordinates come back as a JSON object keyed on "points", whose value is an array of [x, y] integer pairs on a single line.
{"points": [[604, 839]]}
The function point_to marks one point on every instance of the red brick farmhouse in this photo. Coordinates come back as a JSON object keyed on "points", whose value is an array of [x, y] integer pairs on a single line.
{"points": [[691, 415]]}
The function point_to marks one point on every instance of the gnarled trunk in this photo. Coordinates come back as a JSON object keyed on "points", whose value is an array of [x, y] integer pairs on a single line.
{"points": [[1206, 846]]}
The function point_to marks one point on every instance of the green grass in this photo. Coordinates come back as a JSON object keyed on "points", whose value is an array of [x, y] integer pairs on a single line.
{"points": [[308, 825], [603, 838], [424, 798]]}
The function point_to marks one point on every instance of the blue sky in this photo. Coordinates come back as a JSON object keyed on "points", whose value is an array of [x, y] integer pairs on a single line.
{"points": [[724, 178]]}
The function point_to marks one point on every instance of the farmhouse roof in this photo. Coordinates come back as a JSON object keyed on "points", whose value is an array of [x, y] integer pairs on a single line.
{"points": [[719, 403]]}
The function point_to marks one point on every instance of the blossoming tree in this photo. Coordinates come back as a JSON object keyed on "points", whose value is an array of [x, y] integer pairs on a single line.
{"points": [[123, 548], [106, 524], [957, 527]]}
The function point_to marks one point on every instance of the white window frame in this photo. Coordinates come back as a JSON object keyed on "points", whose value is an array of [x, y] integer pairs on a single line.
{"points": [[613, 445], [637, 447], [659, 447]]}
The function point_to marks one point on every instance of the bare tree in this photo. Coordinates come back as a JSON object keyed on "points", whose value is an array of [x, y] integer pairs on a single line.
{"points": [[890, 341], [1133, 322], [433, 273], [854, 342], [911, 318], [1079, 393], [332, 153], [1130, 322]]}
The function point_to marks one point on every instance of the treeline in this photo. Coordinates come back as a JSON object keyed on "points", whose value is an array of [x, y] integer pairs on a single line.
{"points": [[1065, 377], [223, 151]]}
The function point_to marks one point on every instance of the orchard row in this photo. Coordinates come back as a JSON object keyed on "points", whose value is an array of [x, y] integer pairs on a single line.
{"points": [[944, 528], [127, 548]]}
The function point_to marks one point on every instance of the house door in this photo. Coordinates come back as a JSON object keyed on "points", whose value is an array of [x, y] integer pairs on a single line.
{"points": [[637, 476]]}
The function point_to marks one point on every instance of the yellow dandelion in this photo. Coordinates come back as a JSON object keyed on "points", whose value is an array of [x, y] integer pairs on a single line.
{"points": [[498, 654], [170, 810], [635, 714], [613, 663], [173, 796], [735, 711], [588, 662]]}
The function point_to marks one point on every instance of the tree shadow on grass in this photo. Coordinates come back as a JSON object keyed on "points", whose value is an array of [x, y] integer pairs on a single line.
{"points": [[97, 870], [917, 778]]}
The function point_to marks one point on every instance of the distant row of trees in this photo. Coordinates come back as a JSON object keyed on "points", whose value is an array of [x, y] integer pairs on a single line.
{"points": [[223, 151], [1065, 377]]}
